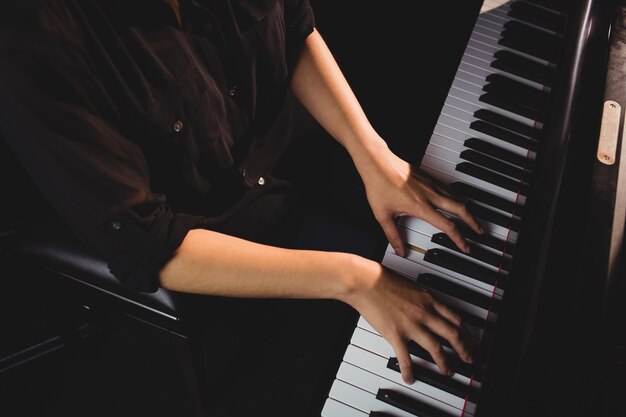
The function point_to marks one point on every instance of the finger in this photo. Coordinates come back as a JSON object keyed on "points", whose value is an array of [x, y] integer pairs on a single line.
{"points": [[446, 225], [459, 209], [459, 340], [428, 341], [456, 320], [393, 236], [447, 313], [404, 360]]}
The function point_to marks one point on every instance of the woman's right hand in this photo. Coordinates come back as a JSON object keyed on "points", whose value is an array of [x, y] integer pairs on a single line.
{"points": [[401, 311]]}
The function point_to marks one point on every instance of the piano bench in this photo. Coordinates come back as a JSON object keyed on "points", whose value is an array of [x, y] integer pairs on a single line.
{"points": [[79, 293]]}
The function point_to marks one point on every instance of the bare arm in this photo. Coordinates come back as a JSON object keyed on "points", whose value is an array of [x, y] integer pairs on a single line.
{"points": [[208, 262], [392, 187]]}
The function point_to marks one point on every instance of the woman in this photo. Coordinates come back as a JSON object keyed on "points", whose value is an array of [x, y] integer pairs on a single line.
{"points": [[111, 106]]}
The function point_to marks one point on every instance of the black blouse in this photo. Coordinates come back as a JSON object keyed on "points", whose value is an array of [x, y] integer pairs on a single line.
{"points": [[138, 128]]}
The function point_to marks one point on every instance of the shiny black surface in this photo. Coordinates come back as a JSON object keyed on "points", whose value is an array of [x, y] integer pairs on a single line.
{"points": [[546, 358]]}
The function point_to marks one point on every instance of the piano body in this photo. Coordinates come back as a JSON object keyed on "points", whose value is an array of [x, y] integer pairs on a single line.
{"points": [[539, 82]]}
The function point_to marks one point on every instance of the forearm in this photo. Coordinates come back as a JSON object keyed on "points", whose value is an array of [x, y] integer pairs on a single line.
{"points": [[208, 262], [318, 83]]}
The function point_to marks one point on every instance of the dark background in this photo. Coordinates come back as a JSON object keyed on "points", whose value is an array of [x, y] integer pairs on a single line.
{"points": [[398, 56]]}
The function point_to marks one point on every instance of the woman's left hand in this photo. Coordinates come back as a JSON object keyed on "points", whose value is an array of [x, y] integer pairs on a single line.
{"points": [[395, 188]]}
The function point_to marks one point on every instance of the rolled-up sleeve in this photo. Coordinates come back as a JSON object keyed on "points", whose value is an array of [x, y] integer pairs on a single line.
{"points": [[299, 22], [58, 124]]}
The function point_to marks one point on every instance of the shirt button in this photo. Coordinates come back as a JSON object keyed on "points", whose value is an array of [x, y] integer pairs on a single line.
{"points": [[261, 181], [177, 126], [232, 91], [115, 225]]}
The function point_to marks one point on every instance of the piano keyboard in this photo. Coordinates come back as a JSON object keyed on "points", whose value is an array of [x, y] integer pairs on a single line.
{"points": [[483, 146]]}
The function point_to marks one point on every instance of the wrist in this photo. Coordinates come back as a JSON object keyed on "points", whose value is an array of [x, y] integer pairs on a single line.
{"points": [[358, 276], [366, 148]]}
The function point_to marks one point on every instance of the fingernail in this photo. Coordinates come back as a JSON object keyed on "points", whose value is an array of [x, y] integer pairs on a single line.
{"points": [[466, 248], [397, 250], [449, 372], [481, 230], [409, 381]]}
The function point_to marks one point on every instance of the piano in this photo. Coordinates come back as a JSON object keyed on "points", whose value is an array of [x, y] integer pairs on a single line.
{"points": [[539, 83]]}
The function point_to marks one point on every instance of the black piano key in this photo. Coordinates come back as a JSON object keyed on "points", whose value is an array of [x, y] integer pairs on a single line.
{"points": [[437, 380], [533, 34], [531, 41], [513, 106], [523, 67], [487, 198], [408, 404], [486, 239], [502, 134], [471, 320], [476, 252], [499, 153], [462, 266], [462, 368], [483, 213], [534, 50], [492, 178], [508, 123], [517, 101], [437, 283], [537, 16], [379, 414], [555, 6], [505, 85], [494, 165]]}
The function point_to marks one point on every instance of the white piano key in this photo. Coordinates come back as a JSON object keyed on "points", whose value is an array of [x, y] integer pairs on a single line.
{"points": [[476, 104], [424, 241], [486, 56], [446, 172], [407, 222], [489, 28], [455, 158], [411, 268], [461, 134], [464, 132], [485, 72], [421, 226], [468, 87], [485, 41], [468, 117], [362, 400], [495, 16], [462, 126], [377, 344], [472, 106], [478, 81], [474, 47], [455, 141], [334, 408], [482, 36], [371, 383], [414, 264], [377, 365]]}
